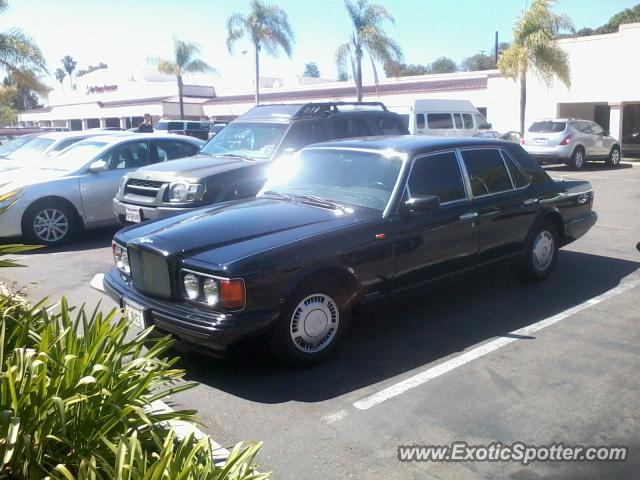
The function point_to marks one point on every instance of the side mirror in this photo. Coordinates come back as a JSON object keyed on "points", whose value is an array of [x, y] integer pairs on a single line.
{"points": [[421, 203], [98, 166]]}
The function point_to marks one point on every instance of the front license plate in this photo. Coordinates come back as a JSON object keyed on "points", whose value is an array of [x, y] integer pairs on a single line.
{"points": [[540, 140], [133, 215], [134, 313]]}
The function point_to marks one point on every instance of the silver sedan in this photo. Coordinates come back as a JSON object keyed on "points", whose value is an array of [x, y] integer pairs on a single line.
{"points": [[48, 202]]}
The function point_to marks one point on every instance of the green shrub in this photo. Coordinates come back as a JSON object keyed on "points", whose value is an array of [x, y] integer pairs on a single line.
{"points": [[75, 396]]}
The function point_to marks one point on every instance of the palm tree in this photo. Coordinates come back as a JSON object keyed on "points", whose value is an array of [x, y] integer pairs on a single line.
{"points": [[69, 65], [21, 58], [535, 48], [267, 26], [184, 62], [369, 37], [60, 75]]}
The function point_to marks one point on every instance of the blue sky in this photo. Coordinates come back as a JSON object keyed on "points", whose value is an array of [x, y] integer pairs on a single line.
{"points": [[124, 33]]}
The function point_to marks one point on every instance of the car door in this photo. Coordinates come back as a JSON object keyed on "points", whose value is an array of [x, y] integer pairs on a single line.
{"points": [[502, 201], [98, 189], [429, 244], [601, 145]]}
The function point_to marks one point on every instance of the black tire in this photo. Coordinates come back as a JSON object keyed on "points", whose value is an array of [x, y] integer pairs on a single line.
{"points": [[335, 306], [531, 268], [614, 157], [66, 229], [578, 159]]}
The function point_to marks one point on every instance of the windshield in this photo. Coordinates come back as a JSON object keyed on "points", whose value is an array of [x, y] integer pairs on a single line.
{"points": [[548, 127], [342, 176], [254, 140], [30, 149], [14, 144], [76, 156]]}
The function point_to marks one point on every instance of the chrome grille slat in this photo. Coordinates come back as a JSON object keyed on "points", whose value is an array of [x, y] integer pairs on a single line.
{"points": [[148, 188], [150, 273]]}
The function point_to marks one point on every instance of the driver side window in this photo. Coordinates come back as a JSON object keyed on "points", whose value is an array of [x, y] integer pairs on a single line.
{"points": [[128, 155], [438, 175]]}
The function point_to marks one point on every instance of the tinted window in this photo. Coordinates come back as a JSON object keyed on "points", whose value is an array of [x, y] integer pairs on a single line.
{"points": [[458, 118], [197, 126], [596, 129], [129, 155], [487, 172], [437, 175], [547, 126], [420, 120], [519, 179], [304, 133], [351, 127], [65, 143], [582, 127], [468, 121], [168, 150], [389, 126], [439, 121]]}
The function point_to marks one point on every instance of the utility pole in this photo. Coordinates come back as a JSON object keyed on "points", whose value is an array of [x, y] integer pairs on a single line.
{"points": [[496, 48]]}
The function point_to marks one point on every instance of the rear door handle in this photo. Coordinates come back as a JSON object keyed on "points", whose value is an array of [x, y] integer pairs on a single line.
{"points": [[469, 216], [530, 201]]}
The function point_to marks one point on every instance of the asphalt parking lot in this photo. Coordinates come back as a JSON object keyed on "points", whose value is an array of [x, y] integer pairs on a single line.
{"points": [[424, 370]]}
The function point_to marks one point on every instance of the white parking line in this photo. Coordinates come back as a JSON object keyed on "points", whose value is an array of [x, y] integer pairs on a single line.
{"points": [[434, 372]]}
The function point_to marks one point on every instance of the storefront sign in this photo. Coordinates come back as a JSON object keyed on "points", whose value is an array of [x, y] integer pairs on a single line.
{"points": [[101, 89]]}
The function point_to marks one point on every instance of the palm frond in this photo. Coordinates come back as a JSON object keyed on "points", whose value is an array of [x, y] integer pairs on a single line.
{"points": [[343, 54], [236, 28], [199, 66]]}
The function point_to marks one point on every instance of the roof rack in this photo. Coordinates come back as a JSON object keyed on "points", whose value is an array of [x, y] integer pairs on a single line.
{"points": [[325, 108]]}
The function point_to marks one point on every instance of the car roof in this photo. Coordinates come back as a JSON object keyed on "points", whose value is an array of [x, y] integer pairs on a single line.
{"points": [[76, 134], [113, 138], [412, 144]]}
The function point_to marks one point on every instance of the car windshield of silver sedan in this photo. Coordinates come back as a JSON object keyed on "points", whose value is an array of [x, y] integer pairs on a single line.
{"points": [[74, 157], [251, 140], [348, 177]]}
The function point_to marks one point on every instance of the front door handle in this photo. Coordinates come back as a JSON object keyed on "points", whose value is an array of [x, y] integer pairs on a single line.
{"points": [[469, 216], [530, 201]]}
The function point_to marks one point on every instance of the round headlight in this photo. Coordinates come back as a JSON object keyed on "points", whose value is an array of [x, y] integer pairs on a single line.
{"points": [[191, 286], [178, 192], [211, 291]]}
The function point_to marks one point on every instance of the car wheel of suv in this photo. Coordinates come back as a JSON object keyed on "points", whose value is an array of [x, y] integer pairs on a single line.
{"points": [[614, 157], [49, 223], [577, 159], [311, 324], [540, 255]]}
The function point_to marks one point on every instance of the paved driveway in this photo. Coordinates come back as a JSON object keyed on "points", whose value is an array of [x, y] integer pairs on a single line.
{"points": [[480, 361]]}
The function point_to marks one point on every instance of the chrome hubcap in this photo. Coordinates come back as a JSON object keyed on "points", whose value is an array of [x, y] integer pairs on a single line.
{"points": [[50, 225], [314, 323], [579, 159], [615, 157], [543, 250]]}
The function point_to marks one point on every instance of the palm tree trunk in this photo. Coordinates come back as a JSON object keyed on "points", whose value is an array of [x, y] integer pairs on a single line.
{"points": [[257, 60], [358, 75], [180, 97], [523, 99]]}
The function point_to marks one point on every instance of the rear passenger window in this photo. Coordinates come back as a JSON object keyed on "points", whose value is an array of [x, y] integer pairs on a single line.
{"points": [[458, 118], [468, 121], [519, 179], [351, 127], [437, 175], [389, 126], [304, 133], [420, 120], [438, 121], [170, 150], [487, 171]]}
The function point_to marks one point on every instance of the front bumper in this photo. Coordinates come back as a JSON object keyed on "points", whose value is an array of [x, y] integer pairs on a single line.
{"points": [[146, 212], [213, 331], [550, 154]]}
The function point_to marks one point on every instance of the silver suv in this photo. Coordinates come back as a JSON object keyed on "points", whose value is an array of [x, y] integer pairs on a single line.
{"points": [[571, 141]]}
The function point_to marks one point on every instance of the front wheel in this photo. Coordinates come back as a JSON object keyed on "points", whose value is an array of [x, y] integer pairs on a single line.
{"points": [[541, 253], [49, 223], [311, 324], [614, 157]]}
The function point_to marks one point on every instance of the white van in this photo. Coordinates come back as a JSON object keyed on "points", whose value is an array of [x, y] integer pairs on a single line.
{"points": [[446, 118]]}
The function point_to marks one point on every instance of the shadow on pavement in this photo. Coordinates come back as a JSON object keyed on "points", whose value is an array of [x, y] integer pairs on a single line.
{"points": [[86, 240], [398, 336]]}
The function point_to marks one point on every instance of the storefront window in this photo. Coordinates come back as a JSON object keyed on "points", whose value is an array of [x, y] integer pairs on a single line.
{"points": [[631, 124]]}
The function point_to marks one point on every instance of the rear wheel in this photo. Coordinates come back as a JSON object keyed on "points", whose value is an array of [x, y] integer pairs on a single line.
{"points": [[577, 160], [614, 157], [312, 323], [49, 223], [540, 255]]}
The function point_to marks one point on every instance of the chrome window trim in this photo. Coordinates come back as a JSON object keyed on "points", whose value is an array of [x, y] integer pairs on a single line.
{"points": [[183, 271], [460, 170]]}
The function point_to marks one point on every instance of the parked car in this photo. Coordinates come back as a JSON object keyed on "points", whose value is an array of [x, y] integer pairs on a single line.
{"points": [[446, 118], [191, 128], [233, 164], [15, 143], [572, 142], [339, 225], [51, 201], [510, 136], [44, 146], [215, 128]]}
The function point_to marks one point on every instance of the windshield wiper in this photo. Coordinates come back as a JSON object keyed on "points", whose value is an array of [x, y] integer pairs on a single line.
{"points": [[276, 194], [236, 155], [320, 201]]}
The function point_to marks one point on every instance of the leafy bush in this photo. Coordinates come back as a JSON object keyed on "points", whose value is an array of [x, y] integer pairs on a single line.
{"points": [[75, 397]]}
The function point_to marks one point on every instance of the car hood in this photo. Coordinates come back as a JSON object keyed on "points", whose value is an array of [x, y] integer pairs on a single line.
{"points": [[227, 232], [25, 176], [190, 168]]}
